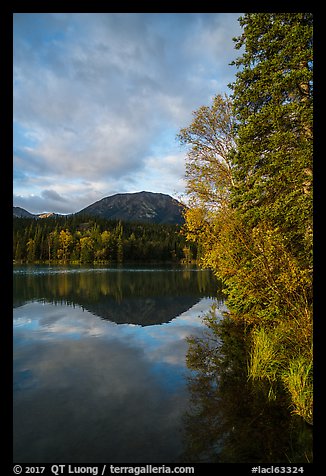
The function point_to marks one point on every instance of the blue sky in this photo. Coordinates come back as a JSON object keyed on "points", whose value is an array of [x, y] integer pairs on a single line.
{"points": [[100, 97]]}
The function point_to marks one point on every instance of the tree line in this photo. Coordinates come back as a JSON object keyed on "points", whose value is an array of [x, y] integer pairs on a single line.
{"points": [[249, 183], [81, 239]]}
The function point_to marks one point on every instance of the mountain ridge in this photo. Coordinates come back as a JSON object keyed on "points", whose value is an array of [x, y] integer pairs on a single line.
{"points": [[146, 207], [20, 212]]}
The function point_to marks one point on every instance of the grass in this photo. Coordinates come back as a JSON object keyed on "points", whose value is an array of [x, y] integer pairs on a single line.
{"points": [[265, 359], [297, 380], [269, 361]]}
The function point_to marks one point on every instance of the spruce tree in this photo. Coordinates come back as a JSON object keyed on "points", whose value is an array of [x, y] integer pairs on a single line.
{"points": [[272, 166], [257, 236], [272, 98]]}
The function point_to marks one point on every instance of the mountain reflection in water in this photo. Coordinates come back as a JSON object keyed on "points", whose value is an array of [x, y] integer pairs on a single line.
{"points": [[133, 296], [99, 362]]}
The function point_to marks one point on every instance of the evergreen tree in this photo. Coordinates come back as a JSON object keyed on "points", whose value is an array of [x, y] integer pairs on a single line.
{"points": [[63, 239], [30, 250], [273, 105], [255, 228], [273, 198], [18, 251], [119, 234]]}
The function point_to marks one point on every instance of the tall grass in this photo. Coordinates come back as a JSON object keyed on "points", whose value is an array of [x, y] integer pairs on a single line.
{"points": [[265, 361], [269, 361], [297, 380]]}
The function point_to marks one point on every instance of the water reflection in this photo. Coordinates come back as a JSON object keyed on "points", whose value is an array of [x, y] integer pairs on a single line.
{"points": [[94, 402], [230, 420], [133, 296], [87, 389]]}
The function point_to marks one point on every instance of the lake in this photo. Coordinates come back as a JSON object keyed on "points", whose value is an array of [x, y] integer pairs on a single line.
{"points": [[100, 369]]}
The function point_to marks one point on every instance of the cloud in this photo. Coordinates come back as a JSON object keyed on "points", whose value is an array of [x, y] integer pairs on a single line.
{"points": [[164, 173], [94, 94], [52, 195], [75, 199], [110, 401]]}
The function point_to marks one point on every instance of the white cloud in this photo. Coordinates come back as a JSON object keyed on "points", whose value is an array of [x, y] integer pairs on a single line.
{"points": [[96, 93], [167, 172]]}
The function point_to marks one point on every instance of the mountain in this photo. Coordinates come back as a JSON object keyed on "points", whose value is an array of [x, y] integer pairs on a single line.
{"points": [[22, 213], [48, 215], [146, 207]]}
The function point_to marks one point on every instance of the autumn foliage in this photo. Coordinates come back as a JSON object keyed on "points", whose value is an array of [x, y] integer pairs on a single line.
{"points": [[249, 183]]}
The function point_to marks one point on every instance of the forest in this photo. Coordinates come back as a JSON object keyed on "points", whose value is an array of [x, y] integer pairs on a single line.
{"points": [[80, 239], [250, 186]]}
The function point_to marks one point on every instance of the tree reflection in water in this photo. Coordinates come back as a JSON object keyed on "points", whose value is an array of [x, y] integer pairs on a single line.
{"points": [[122, 295], [230, 420]]}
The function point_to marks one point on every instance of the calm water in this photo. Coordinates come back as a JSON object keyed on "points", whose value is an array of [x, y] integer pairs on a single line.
{"points": [[99, 361]]}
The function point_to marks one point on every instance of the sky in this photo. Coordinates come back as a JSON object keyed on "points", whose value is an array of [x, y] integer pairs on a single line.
{"points": [[99, 98]]}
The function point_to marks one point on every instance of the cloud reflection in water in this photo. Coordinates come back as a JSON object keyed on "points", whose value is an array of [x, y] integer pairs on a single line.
{"points": [[91, 390]]}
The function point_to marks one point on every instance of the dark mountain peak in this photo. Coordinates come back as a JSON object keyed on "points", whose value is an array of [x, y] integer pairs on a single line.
{"points": [[22, 213], [142, 206]]}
